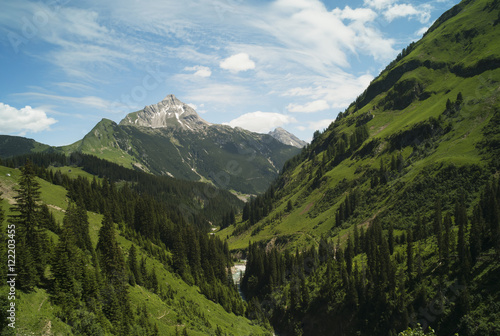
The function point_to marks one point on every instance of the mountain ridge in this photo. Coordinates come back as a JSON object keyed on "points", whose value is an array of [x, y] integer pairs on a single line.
{"points": [[169, 138]]}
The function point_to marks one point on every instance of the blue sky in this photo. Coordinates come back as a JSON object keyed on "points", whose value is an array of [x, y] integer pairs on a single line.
{"points": [[66, 64]]}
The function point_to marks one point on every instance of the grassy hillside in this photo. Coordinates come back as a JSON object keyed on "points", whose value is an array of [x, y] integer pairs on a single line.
{"points": [[183, 307], [411, 112], [390, 217]]}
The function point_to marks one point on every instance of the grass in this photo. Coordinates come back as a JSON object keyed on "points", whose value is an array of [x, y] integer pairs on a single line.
{"points": [[74, 172]]}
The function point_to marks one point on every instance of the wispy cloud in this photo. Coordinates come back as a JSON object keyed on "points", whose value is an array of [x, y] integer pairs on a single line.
{"points": [[225, 94], [314, 106], [91, 101]]}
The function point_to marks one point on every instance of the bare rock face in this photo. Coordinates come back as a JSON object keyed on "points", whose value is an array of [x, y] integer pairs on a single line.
{"points": [[170, 112], [287, 138]]}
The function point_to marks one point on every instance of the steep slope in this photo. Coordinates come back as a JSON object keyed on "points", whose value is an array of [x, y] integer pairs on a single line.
{"points": [[426, 115], [287, 138], [392, 211], [169, 138]]}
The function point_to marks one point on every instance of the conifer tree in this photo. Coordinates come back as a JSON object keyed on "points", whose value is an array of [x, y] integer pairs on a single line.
{"points": [[47, 219], [391, 239], [409, 255], [246, 212], [438, 228], [135, 276], [462, 247], [447, 237], [32, 245], [111, 257], [476, 233], [77, 219], [65, 263], [349, 254], [115, 295]]}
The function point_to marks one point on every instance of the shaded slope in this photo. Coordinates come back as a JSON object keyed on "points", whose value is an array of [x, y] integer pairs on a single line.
{"points": [[229, 158]]}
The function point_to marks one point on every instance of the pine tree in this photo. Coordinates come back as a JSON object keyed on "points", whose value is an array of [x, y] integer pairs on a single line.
{"points": [[65, 263], [47, 219], [438, 228], [135, 276], [111, 258], [116, 301], [391, 239], [76, 217], [409, 255], [447, 237], [476, 233], [462, 247], [32, 246], [349, 254], [246, 212]]}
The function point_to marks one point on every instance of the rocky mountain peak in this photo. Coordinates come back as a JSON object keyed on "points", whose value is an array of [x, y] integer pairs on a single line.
{"points": [[170, 112], [287, 138]]}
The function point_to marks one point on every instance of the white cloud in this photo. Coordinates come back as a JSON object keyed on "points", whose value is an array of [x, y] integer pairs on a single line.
{"points": [[26, 119], [261, 122], [237, 63], [314, 106], [422, 13], [200, 71]]}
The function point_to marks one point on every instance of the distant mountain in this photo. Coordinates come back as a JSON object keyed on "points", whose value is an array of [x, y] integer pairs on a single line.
{"points": [[287, 138], [16, 145], [169, 138]]}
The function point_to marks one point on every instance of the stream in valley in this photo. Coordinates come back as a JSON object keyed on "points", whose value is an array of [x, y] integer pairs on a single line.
{"points": [[238, 270]]}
